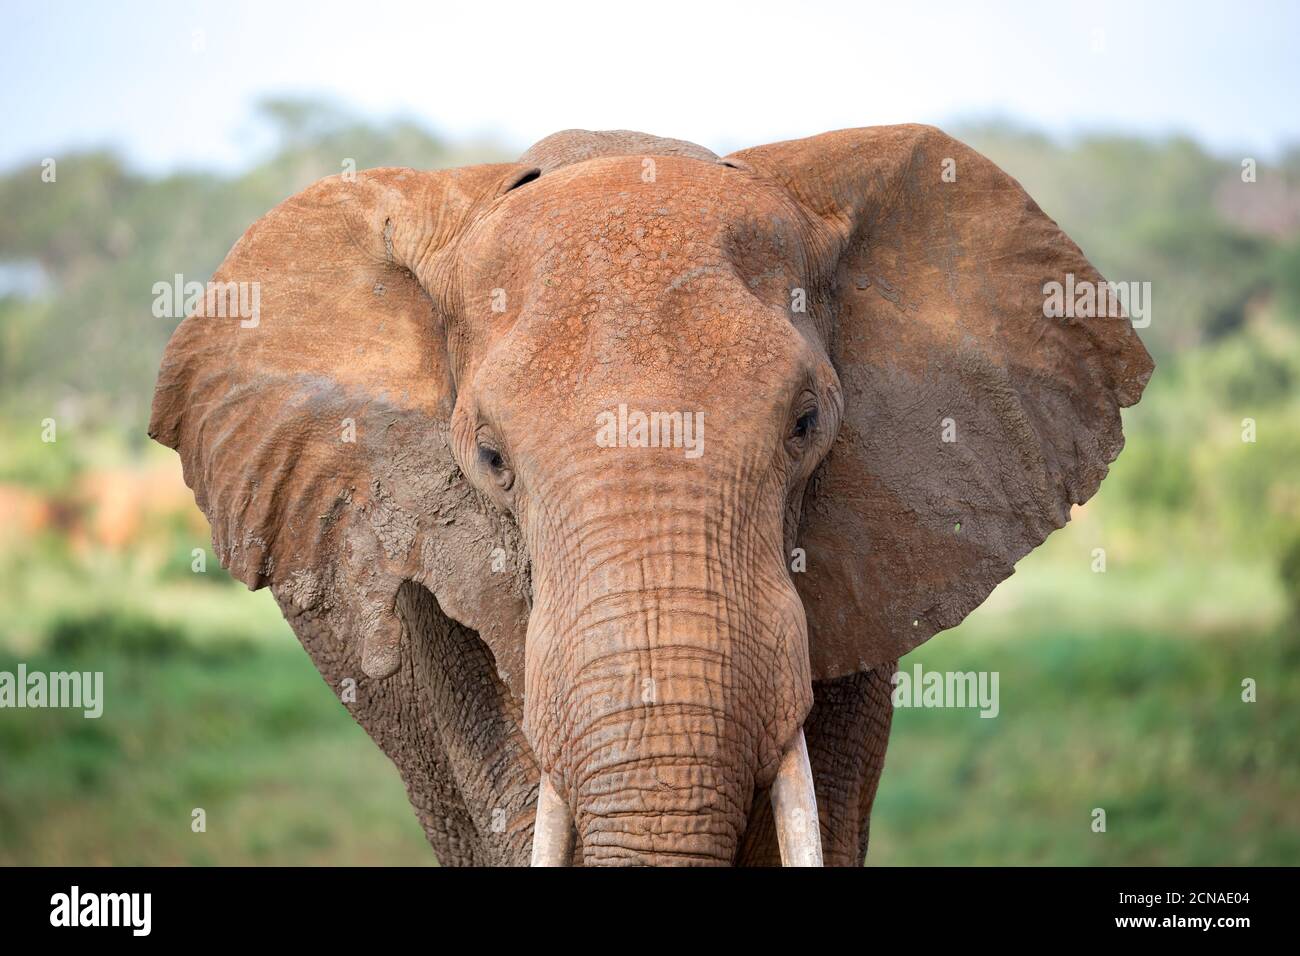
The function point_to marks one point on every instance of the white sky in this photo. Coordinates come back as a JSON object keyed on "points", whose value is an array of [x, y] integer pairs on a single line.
{"points": [[173, 84]]}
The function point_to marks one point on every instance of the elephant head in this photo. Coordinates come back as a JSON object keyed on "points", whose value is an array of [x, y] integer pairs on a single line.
{"points": [[674, 436]]}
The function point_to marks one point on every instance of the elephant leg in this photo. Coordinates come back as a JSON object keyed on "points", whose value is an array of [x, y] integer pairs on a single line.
{"points": [[847, 732], [395, 712], [449, 725], [480, 728]]}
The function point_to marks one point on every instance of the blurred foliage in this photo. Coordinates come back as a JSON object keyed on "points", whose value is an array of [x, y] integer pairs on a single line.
{"points": [[1120, 690], [1290, 572]]}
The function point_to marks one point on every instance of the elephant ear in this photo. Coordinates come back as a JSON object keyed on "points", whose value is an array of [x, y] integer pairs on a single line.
{"points": [[309, 394], [972, 422]]}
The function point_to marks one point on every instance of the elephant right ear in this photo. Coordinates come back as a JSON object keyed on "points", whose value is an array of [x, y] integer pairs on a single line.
{"points": [[975, 413], [309, 395]]}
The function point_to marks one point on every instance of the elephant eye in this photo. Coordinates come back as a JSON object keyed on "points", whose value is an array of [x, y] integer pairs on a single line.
{"points": [[801, 432], [805, 424], [491, 459]]}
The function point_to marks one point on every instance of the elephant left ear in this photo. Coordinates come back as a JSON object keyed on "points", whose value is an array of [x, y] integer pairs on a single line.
{"points": [[314, 429], [975, 413]]}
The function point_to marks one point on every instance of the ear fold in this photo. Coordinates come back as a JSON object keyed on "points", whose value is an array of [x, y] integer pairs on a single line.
{"points": [[972, 421], [312, 420]]}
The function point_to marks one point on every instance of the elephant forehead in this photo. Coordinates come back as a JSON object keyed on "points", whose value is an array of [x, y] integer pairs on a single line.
{"points": [[682, 278], [641, 227], [656, 352]]}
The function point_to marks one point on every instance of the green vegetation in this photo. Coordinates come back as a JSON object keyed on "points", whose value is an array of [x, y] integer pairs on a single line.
{"points": [[1149, 727], [1120, 690], [251, 735]]}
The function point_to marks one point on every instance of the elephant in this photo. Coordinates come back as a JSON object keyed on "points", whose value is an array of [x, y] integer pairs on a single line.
{"points": [[614, 482]]}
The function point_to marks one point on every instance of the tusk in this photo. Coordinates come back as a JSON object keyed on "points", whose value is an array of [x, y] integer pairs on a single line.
{"points": [[794, 807], [553, 833]]}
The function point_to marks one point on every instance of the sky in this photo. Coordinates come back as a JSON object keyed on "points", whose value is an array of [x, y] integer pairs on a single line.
{"points": [[174, 85]]}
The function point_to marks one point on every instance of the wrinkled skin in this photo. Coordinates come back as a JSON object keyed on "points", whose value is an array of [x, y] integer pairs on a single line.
{"points": [[648, 565], [821, 304]]}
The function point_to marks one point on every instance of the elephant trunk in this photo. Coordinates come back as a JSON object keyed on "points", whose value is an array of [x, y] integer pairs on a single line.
{"points": [[658, 708], [658, 757], [621, 828], [665, 782], [794, 809]]}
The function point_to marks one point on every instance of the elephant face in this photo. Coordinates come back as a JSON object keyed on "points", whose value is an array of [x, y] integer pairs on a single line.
{"points": [[645, 407], [676, 436]]}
